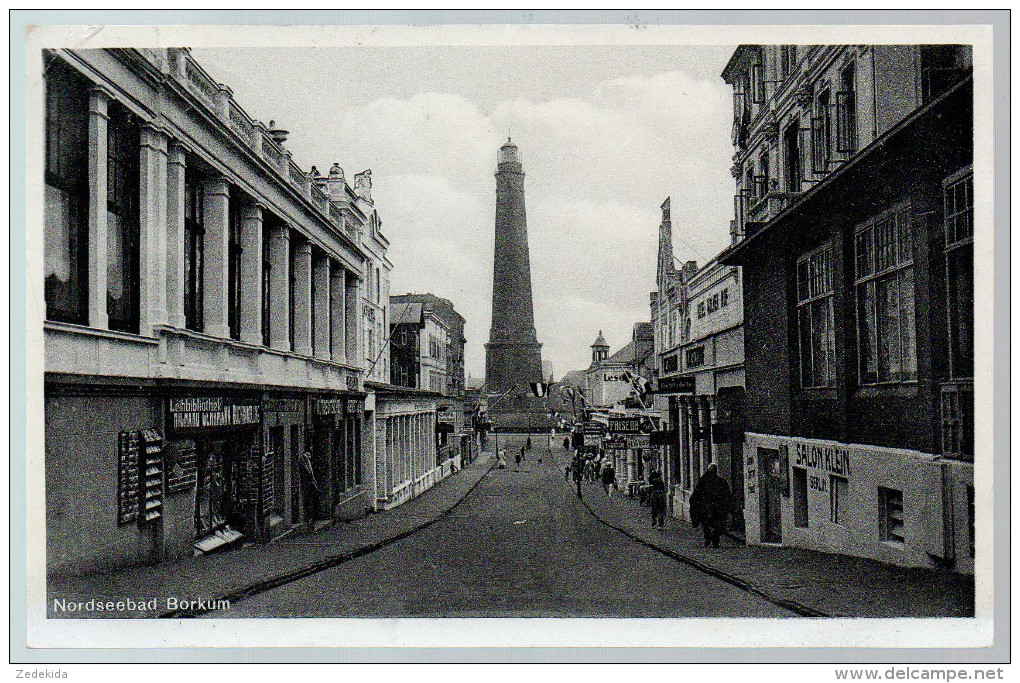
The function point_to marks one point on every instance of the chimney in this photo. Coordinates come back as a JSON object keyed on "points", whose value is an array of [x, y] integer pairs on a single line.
{"points": [[363, 185], [336, 183], [318, 180]]}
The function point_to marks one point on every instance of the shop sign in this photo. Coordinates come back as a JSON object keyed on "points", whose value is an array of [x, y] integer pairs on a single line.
{"points": [[833, 458], [676, 385], [445, 417], [607, 377], [282, 405], [355, 406], [192, 413], [624, 425], [329, 406], [593, 428], [638, 441]]}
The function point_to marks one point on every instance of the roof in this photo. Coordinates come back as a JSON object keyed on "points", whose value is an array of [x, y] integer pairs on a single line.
{"points": [[624, 355], [405, 313], [600, 341], [643, 331], [573, 378]]}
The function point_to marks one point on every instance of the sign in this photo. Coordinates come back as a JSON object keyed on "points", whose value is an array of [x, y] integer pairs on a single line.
{"points": [[445, 417], [606, 377], [593, 428], [128, 444], [624, 425], [676, 385], [638, 441], [189, 413], [831, 458], [151, 464], [329, 406], [282, 405]]}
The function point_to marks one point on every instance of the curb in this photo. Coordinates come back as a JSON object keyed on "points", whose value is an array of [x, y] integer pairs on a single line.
{"points": [[272, 582], [733, 580]]}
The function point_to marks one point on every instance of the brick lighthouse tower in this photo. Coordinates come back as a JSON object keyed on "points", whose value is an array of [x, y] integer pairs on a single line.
{"points": [[513, 356]]}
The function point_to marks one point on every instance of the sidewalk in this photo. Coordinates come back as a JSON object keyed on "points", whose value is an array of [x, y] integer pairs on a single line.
{"points": [[256, 567], [827, 585]]}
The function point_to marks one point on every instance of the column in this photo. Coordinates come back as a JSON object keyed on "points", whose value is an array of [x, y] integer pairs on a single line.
{"points": [[215, 273], [685, 443], [279, 282], [353, 322], [251, 272], [99, 101], [152, 260], [303, 298], [337, 314], [321, 308], [175, 236]]}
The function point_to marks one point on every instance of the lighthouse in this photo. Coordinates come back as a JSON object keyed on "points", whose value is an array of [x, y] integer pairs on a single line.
{"points": [[513, 356]]}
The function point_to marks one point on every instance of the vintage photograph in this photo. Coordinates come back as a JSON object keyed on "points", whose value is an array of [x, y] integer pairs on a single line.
{"points": [[506, 330]]}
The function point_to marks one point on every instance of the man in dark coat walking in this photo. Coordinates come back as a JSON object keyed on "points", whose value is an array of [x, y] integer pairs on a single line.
{"points": [[711, 504], [657, 499]]}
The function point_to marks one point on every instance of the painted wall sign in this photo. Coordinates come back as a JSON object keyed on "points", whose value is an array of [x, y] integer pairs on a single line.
{"points": [[329, 406], [209, 415], [833, 459], [282, 405], [676, 385]]}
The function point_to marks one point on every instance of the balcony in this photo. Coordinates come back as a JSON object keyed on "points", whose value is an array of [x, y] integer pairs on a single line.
{"points": [[957, 419], [752, 210]]}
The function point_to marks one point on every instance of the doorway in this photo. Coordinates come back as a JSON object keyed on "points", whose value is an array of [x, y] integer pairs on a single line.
{"points": [[771, 480]]}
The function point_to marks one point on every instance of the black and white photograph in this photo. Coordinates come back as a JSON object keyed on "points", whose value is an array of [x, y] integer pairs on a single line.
{"points": [[357, 332]]}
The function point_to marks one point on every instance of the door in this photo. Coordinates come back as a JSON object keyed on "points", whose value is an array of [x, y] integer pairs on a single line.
{"points": [[770, 496]]}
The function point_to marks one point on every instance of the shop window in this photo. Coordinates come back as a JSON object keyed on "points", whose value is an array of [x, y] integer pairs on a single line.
{"points": [[695, 357], [194, 250], [234, 267], [890, 511], [815, 323], [958, 202], [838, 489], [296, 472], [66, 194], [884, 283], [122, 229], [800, 497]]}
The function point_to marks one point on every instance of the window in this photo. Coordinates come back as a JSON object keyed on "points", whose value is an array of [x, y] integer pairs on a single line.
{"points": [[815, 324], [122, 236], [724, 297], [958, 198], [838, 487], [234, 267], [761, 182], [791, 156], [821, 135], [942, 67], [66, 194], [884, 258], [695, 357], [758, 83], [267, 293], [846, 111], [787, 60], [890, 512], [701, 309], [800, 499], [194, 250]]}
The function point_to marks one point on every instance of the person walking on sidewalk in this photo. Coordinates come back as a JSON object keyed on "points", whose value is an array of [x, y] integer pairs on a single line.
{"points": [[609, 479], [578, 470], [657, 499], [711, 504], [520, 456], [529, 442], [566, 443]]}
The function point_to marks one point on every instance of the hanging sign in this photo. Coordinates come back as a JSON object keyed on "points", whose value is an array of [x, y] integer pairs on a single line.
{"points": [[624, 425]]}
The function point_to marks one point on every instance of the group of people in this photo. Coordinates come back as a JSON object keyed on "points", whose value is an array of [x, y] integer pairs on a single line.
{"points": [[711, 503]]}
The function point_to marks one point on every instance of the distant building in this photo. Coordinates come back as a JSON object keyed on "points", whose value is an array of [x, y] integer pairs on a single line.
{"points": [[854, 231], [608, 378], [418, 347]]}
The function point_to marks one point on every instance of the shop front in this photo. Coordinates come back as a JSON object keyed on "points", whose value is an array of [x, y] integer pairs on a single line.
{"points": [[336, 489], [214, 447], [867, 501]]}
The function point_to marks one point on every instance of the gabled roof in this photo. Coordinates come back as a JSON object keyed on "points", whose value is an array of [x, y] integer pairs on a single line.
{"points": [[624, 355], [405, 313]]}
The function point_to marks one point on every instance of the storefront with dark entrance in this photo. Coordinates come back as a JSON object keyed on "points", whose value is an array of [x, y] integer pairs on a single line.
{"points": [[337, 459]]}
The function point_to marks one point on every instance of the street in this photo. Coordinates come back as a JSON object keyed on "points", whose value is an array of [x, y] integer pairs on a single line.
{"points": [[519, 545]]}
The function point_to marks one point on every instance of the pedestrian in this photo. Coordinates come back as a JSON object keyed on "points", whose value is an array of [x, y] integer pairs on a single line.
{"points": [[520, 456], [529, 443], [711, 504], [566, 443], [657, 499], [578, 474], [608, 479]]}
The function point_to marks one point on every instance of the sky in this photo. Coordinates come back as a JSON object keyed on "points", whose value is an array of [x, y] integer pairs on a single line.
{"points": [[606, 133]]}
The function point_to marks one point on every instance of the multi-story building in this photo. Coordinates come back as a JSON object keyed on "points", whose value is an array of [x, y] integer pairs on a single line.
{"points": [[418, 346], [456, 414], [698, 320], [203, 353], [854, 229]]}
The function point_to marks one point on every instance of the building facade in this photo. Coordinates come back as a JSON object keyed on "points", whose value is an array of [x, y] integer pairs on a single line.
{"points": [[203, 345], [854, 229]]}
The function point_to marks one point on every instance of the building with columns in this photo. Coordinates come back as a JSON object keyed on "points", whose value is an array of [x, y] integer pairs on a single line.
{"points": [[204, 305]]}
